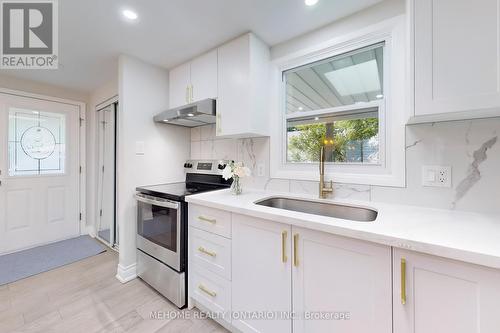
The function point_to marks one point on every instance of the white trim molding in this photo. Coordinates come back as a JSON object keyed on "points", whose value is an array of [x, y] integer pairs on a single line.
{"points": [[394, 109], [126, 274]]}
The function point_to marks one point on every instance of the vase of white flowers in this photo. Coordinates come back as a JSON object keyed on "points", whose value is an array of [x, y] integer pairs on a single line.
{"points": [[236, 171]]}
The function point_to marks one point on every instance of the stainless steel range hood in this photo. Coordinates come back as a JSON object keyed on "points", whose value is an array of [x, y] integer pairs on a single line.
{"points": [[191, 115]]}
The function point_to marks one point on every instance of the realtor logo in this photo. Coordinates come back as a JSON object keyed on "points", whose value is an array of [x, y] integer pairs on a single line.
{"points": [[29, 34]]}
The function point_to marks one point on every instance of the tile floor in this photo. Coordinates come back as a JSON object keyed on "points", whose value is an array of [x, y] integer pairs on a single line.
{"points": [[86, 297]]}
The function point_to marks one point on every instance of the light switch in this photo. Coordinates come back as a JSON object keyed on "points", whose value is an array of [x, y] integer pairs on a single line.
{"points": [[139, 147]]}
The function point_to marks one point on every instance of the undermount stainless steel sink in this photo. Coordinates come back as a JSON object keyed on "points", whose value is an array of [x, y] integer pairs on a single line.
{"points": [[321, 208]]}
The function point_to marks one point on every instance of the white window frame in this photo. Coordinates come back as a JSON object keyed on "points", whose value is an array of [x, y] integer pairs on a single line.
{"points": [[393, 109]]}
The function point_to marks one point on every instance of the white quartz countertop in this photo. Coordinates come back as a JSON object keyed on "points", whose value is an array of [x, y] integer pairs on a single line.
{"points": [[465, 236]]}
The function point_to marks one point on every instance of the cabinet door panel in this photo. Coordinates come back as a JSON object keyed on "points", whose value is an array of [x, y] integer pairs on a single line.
{"points": [[204, 76], [179, 80], [349, 280], [261, 281], [445, 296], [233, 104], [457, 45]]}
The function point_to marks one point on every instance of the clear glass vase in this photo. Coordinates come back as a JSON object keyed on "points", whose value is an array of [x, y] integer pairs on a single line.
{"points": [[236, 186]]}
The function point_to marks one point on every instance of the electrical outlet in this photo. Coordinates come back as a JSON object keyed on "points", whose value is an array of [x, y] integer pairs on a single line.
{"points": [[436, 176]]}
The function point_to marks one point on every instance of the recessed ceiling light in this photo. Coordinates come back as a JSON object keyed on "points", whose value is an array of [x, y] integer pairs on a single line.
{"points": [[316, 118], [301, 108], [130, 14], [190, 115], [311, 2]]}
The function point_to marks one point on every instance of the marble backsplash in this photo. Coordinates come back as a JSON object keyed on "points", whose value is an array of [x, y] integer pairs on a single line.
{"points": [[471, 148]]}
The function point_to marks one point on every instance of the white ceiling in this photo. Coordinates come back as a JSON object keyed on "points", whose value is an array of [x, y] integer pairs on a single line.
{"points": [[92, 33]]}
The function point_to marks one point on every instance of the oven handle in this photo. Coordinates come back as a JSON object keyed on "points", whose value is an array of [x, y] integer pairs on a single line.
{"points": [[166, 204]]}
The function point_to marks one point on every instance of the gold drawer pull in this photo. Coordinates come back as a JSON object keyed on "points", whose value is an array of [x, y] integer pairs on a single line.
{"points": [[207, 252], [403, 281], [296, 250], [206, 219], [206, 291], [284, 235]]}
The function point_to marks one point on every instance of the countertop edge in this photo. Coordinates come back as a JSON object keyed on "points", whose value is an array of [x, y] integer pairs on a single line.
{"points": [[448, 252]]}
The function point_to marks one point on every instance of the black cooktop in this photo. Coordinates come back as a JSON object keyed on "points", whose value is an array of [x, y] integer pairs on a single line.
{"points": [[194, 184]]}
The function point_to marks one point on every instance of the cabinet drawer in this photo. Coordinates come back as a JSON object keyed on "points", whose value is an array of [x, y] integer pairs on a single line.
{"points": [[211, 291], [211, 252], [211, 220]]}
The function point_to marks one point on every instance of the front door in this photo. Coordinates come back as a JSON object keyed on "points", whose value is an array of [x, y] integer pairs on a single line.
{"points": [[39, 172]]}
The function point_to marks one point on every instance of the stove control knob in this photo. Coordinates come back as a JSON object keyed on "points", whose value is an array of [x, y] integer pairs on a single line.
{"points": [[221, 166], [188, 165]]}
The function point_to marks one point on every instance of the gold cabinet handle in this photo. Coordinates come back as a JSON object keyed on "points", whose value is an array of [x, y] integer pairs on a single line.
{"points": [[192, 94], [187, 94], [295, 250], [206, 219], [284, 235], [403, 281], [207, 291], [207, 252]]}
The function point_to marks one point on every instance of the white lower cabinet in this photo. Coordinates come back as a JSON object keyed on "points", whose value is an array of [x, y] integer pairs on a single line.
{"points": [[436, 295], [340, 284], [270, 277], [211, 291], [261, 275]]}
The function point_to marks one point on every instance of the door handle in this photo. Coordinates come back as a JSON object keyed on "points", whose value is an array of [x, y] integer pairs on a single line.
{"points": [[284, 235], [403, 281], [295, 250]]}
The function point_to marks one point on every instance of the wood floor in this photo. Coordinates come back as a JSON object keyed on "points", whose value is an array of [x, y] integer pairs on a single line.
{"points": [[86, 297]]}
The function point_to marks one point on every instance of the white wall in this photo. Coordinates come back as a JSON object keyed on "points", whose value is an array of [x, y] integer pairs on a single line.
{"points": [[35, 87], [143, 91], [372, 15]]}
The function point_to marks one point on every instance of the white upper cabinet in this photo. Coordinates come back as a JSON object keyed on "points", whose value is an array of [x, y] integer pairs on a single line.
{"points": [[343, 277], [433, 294], [180, 81], [243, 75], [194, 81], [457, 68], [204, 76]]}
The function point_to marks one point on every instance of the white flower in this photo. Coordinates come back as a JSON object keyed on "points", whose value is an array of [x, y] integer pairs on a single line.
{"points": [[242, 171], [227, 172]]}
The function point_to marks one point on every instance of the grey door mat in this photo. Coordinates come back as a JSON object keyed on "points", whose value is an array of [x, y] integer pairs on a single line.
{"points": [[22, 264]]}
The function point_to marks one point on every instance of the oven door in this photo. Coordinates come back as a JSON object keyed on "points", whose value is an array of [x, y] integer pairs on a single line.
{"points": [[159, 229]]}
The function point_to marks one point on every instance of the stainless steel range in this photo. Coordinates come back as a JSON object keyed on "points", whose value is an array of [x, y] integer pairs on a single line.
{"points": [[162, 226]]}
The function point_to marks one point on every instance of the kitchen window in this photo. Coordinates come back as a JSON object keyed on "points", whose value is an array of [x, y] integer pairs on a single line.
{"points": [[351, 94], [337, 102]]}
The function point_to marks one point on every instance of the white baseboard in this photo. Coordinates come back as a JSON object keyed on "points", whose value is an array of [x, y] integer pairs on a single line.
{"points": [[90, 231], [126, 274]]}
